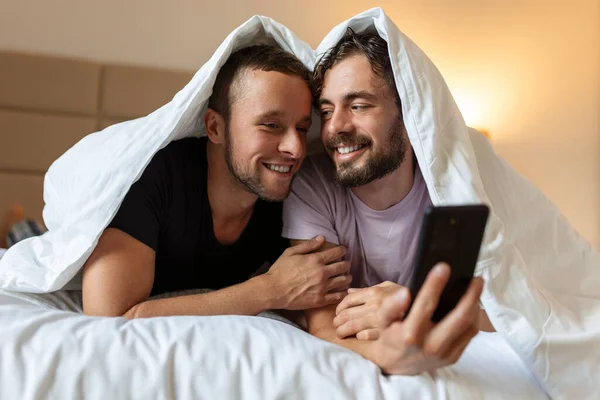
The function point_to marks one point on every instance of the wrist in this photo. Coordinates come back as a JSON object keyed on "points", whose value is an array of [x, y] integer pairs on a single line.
{"points": [[372, 352], [265, 292]]}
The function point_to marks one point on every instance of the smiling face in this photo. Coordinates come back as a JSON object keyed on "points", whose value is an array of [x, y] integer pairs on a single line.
{"points": [[361, 127], [265, 136]]}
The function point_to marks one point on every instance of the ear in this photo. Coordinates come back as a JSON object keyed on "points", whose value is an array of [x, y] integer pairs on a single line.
{"points": [[215, 126]]}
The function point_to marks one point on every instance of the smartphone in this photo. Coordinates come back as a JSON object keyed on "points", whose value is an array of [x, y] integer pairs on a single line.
{"points": [[451, 234]]}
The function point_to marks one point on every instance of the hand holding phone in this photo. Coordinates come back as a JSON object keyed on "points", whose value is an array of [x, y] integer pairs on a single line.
{"points": [[413, 344]]}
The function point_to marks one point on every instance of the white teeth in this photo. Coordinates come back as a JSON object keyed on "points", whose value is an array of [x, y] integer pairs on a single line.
{"points": [[346, 150], [280, 168]]}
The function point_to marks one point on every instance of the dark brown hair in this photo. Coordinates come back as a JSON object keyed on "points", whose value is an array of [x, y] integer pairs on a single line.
{"points": [[370, 45], [259, 57]]}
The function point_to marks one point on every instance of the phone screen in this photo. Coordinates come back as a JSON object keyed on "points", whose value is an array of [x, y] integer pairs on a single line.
{"points": [[450, 234]]}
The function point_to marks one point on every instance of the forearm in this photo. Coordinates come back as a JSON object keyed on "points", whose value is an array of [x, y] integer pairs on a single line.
{"points": [[320, 324], [248, 298], [362, 347]]}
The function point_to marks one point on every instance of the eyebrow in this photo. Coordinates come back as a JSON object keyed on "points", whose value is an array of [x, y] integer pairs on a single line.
{"points": [[279, 114], [271, 114], [348, 97]]}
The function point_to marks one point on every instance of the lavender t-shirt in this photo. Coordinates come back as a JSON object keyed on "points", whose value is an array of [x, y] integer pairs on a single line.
{"points": [[381, 244]]}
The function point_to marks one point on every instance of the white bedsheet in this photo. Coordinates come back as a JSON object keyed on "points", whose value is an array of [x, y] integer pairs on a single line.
{"points": [[50, 351]]}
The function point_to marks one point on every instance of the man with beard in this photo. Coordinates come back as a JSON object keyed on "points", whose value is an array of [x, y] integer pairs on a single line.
{"points": [[206, 212], [367, 193]]}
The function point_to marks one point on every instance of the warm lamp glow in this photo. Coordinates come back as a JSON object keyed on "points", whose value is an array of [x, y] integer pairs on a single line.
{"points": [[472, 107]]}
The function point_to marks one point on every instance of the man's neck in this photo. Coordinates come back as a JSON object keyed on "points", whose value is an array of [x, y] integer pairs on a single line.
{"points": [[229, 200], [383, 193]]}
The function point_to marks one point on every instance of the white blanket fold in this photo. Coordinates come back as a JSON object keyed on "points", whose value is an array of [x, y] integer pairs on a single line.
{"points": [[543, 279]]}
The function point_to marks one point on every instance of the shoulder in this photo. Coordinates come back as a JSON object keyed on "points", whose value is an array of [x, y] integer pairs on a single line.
{"points": [[317, 172], [177, 155], [315, 185], [183, 148]]}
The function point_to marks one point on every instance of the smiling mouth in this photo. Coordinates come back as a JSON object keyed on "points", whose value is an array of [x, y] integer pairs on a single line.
{"points": [[282, 169], [349, 149]]}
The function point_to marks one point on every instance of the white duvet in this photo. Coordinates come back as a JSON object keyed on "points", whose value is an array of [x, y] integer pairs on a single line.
{"points": [[51, 354], [543, 280]]}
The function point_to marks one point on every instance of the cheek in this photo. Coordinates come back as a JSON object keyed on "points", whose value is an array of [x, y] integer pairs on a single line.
{"points": [[375, 131], [262, 146], [323, 131], [243, 150]]}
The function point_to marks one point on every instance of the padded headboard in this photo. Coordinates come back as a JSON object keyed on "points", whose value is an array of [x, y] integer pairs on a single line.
{"points": [[47, 104]]}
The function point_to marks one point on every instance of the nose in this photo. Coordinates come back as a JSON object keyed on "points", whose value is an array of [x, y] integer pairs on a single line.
{"points": [[339, 123], [293, 144]]}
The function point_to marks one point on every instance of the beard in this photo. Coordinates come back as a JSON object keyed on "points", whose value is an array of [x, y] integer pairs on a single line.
{"points": [[243, 174], [378, 164]]}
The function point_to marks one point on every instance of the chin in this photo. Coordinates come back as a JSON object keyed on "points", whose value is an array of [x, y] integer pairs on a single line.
{"points": [[275, 195], [353, 167], [273, 199]]}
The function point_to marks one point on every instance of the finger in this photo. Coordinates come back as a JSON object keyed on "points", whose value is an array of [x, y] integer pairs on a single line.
{"points": [[393, 308], [460, 319], [352, 300], [456, 351], [352, 313], [335, 269], [330, 255], [426, 301], [353, 290], [354, 326], [368, 334], [308, 246], [338, 282], [332, 298]]}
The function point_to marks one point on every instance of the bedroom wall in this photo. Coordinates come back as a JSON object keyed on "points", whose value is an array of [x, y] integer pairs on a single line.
{"points": [[528, 71]]}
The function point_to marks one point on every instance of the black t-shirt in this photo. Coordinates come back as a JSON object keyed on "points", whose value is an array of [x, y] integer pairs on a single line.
{"points": [[168, 210]]}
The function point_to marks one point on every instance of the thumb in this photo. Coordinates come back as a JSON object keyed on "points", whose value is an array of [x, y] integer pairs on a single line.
{"points": [[308, 246], [393, 308]]}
